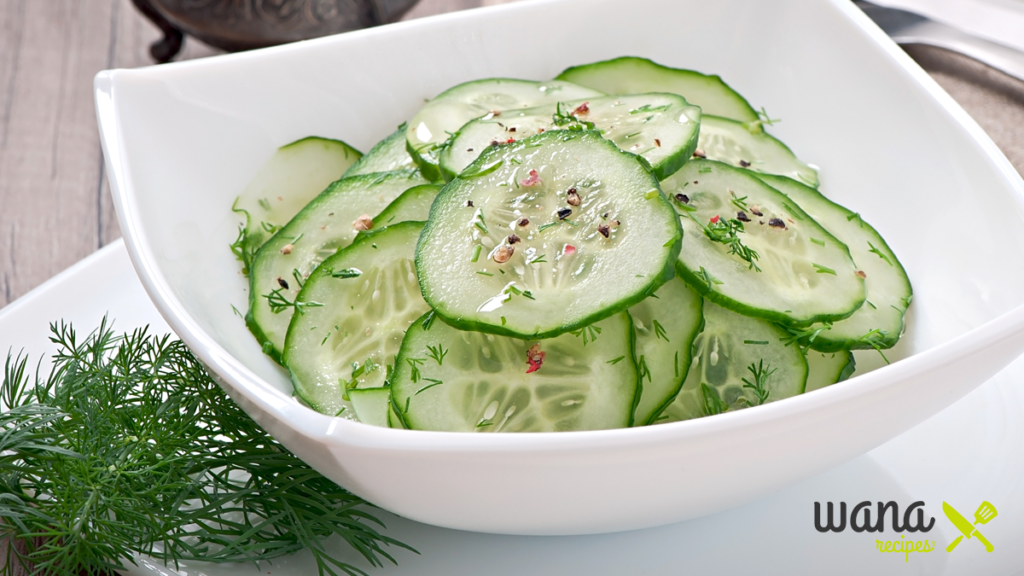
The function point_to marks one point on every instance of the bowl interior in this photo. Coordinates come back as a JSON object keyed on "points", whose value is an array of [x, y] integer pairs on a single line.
{"points": [[889, 145]]}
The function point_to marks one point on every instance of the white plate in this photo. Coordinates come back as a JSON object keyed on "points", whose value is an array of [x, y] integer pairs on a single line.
{"points": [[182, 140], [972, 451]]}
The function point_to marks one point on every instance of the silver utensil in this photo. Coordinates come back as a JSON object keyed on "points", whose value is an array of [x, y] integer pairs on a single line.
{"points": [[909, 28]]}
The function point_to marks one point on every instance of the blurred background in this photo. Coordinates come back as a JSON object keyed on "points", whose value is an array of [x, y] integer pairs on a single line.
{"points": [[55, 206]]}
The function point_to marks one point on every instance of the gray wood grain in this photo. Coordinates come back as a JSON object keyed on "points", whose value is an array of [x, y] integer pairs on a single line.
{"points": [[55, 206]]}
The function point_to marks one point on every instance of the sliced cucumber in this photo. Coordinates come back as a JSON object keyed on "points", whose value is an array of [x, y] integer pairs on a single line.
{"points": [[878, 323], [662, 128], [316, 232], [358, 305], [387, 155], [451, 380], [292, 177], [827, 368], [412, 206], [450, 110], [371, 405], [740, 144], [509, 250], [631, 75], [665, 325], [732, 356], [778, 264]]}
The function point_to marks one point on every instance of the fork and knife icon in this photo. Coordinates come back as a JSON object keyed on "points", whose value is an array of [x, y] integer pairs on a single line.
{"points": [[982, 515]]}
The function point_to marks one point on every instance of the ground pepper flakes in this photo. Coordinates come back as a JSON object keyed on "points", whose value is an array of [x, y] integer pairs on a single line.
{"points": [[535, 358]]}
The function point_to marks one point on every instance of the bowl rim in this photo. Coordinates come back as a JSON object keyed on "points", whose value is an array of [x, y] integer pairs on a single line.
{"points": [[243, 382]]}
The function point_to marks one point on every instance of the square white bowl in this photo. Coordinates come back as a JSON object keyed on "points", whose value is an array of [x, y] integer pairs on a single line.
{"points": [[182, 140]]}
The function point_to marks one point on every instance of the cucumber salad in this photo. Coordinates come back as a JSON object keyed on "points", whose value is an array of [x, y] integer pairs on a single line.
{"points": [[623, 245]]}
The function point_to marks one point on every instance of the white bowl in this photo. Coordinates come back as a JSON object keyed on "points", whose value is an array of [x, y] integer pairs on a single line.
{"points": [[182, 140]]}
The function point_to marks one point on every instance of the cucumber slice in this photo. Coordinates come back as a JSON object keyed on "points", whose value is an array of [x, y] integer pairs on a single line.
{"points": [[412, 206], [366, 297], [827, 368], [665, 325], [450, 110], [451, 380], [739, 144], [662, 128], [316, 232], [727, 355], [496, 256], [387, 155], [878, 324], [371, 405], [779, 265], [292, 177], [632, 75]]}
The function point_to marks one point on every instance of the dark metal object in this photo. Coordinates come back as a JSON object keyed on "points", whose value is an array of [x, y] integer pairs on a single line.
{"points": [[910, 28], [235, 25]]}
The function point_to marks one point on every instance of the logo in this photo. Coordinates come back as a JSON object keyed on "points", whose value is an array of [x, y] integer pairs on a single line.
{"points": [[982, 515], [861, 519]]}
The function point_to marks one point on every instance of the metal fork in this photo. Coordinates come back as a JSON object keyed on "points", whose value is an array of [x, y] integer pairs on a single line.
{"points": [[909, 28]]}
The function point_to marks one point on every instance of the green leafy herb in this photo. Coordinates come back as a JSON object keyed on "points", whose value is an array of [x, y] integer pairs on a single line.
{"points": [[823, 269], [659, 331], [708, 278], [476, 253], [414, 368], [437, 353], [588, 333], [538, 260], [757, 342], [876, 339], [567, 121], [757, 126], [128, 447], [727, 232], [879, 253], [433, 382], [760, 373], [264, 204], [614, 361], [818, 242], [243, 250], [428, 321], [279, 303], [738, 202], [642, 370], [649, 108]]}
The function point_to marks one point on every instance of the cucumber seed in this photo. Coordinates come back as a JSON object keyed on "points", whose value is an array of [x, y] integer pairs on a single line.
{"points": [[524, 222], [698, 153], [512, 239], [287, 249]]}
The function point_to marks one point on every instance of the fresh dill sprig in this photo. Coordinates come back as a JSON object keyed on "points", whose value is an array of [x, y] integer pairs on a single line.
{"points": [[727, 232], [879, 253], [760, 373], [659, 331], [127, 447], [244, 249], [437, 353], [588, 333], [567, 121], [279, 302]]}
